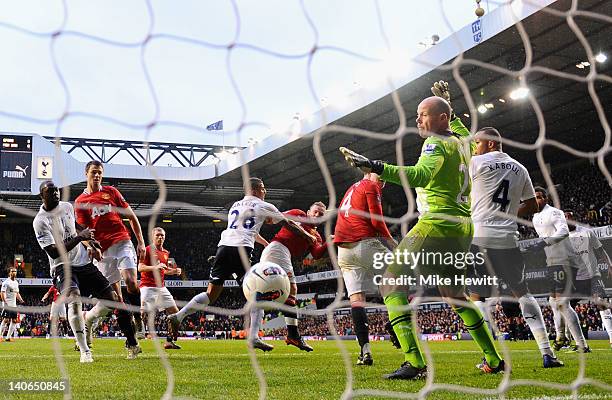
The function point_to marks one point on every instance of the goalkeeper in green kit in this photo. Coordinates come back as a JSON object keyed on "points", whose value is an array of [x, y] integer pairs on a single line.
{"points": [[442, 183]]}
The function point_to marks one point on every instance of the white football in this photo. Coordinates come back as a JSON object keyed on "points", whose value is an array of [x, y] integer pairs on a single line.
{"points": [[266, 281]]}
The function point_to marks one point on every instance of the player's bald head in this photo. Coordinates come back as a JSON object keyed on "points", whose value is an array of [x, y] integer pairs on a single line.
{"points": [[437, 106], [433, 116]]}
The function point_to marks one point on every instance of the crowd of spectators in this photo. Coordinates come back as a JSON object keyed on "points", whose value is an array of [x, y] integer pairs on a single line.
{"points": [[585, 191], [209, 324], [20, 239], [444, 320]]}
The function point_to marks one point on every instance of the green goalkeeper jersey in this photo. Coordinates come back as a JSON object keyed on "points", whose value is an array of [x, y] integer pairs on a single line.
{"points": [[441, 175]]}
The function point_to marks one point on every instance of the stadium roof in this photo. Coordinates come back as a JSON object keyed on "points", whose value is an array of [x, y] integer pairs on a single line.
{"points": [[569, 114], [568, 110]]}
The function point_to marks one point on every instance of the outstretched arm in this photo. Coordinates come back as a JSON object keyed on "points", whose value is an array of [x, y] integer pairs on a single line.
{"points": [[419, 175], [135, 225], [298, 230], [86, 234]]}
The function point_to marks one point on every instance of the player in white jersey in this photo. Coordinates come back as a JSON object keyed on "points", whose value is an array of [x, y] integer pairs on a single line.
{"points": [[244, 220], [9, 294], [563, 263], [70, 251], [589, 284], [501, 191]]}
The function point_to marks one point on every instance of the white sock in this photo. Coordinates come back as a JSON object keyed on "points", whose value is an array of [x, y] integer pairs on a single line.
{"points": [[366, 348], [568, 332], [484, 310], [558, 319], [606, 321], [2, 328], [572, 320], [98, 311], [257, 315], [193, 306], [534, 319], [77, 323], [11, 330]]}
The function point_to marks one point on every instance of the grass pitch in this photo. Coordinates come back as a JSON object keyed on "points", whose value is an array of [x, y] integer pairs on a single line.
{"points": [[222, 370]]}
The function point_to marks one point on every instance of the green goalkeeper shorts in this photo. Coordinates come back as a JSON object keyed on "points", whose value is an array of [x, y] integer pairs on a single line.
{"points": [[434, 247]]}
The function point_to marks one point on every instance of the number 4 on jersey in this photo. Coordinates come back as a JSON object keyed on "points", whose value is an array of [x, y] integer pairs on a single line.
{"points": [[501, 195], [346, 204]]}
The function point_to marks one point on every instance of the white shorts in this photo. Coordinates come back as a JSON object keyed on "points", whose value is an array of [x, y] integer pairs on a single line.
{"points": [[155, 298], [58, 310], [356, 262], [279, 254], [118, 257]]}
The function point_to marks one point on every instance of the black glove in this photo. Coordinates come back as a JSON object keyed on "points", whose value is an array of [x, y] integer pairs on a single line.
{"points": [[361, 162]]}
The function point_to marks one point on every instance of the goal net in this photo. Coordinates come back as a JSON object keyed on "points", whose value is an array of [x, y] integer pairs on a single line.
{"points": [[272, 90]]}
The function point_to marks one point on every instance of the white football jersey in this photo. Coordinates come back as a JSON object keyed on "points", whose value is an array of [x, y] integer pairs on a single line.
{"points": [[585, 242], [59, 226], [499, 184], [550, 224], [10, 288], [245, 219]]}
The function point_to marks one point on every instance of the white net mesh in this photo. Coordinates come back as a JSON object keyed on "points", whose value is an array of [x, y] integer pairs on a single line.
{"points": [[150, 52]]}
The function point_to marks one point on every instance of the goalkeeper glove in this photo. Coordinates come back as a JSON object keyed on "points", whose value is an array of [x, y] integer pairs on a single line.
{"points": [[440, 89], [361, 162]]}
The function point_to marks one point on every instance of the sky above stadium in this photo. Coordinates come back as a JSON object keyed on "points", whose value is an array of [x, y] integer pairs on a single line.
{"points": [[262, 82]]}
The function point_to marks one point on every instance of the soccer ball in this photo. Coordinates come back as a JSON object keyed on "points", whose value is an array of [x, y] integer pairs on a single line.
{"points": [[266, 281]]}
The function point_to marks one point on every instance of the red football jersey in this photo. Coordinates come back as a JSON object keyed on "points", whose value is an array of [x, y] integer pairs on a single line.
{"points": [[147, 278], [364, 196], [53, 293], [97, 214], [296, 244]]}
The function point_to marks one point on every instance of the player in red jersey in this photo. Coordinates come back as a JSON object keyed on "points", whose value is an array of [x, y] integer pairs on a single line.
{"points": [[361, 234], [284, 246], [154, 295], [102, 208], [58, 311]]}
